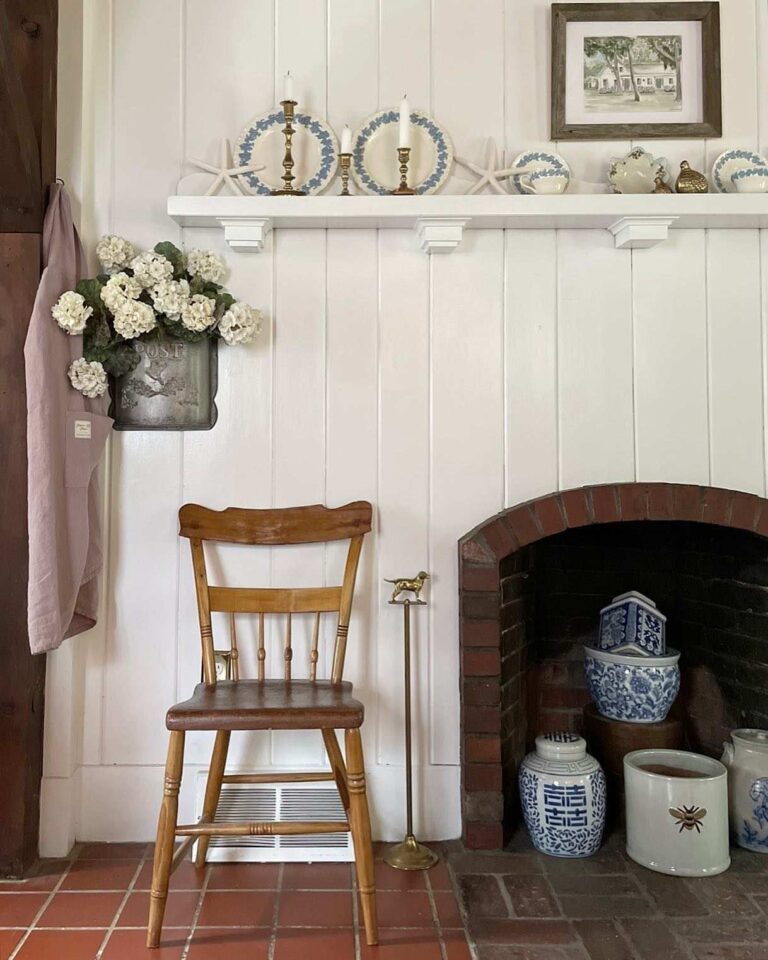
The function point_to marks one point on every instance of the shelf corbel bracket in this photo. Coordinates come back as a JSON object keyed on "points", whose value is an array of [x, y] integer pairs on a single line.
{"points": [[440, 234], [638, 233], [247, 234]]}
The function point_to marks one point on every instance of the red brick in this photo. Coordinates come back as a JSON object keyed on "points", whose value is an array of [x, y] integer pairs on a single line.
{"points": [[480, 633], [483, 836], [523, 525], [482, 776], [576, 507], [500, 538], [479, 662], [716, 506], [560, 698], [474, 577], [744, 512], [485, 692], [482, 749], [523, 930], [549, 516], [480, 606], [661, 501], [633, 501], [604, 504], [687, 502], [602, 940], [476, 550], [482, 720]]}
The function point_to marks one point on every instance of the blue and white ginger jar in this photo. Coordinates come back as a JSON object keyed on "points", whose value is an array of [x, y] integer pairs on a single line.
{"points": [[632, 621], [747, 761], [562, 791]]}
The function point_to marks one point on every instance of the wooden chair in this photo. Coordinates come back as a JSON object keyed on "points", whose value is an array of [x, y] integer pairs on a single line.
{"points": [[268, 704]]}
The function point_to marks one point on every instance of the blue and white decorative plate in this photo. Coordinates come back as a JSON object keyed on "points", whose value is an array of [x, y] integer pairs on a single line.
{"points": [[729, 163], [315, 153], [375, 166], [536, 160]]}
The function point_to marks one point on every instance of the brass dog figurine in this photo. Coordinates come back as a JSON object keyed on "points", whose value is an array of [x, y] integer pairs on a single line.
{"points": [[409, 586]]}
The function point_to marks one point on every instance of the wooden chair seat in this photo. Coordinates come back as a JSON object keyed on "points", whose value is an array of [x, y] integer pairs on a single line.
{"points": [[268, 705]]}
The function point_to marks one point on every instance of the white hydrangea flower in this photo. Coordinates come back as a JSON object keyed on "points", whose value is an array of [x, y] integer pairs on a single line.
{"points": [[206, 265], [71, 313], [240, 323], [197, 312], [88, 376], [114, 252], [151, 268], [169, 297], [133, 318], [119, 288]]}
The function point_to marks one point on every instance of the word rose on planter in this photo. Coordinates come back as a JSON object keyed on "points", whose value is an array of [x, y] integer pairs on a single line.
{"points": [[152, 322]]}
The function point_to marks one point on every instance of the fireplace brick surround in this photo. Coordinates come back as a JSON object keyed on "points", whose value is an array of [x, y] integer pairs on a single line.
{"points": [[492, 604]]}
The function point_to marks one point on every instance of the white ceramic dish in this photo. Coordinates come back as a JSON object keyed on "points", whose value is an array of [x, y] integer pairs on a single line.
{"points": [[545, 182], [315, 153], [751, 180], [375, 167], [537, 161], [677, 824], [635, 173], [730, 162]]}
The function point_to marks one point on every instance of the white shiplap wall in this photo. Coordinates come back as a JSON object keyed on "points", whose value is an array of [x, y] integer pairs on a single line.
{"points": [[441, 389]]}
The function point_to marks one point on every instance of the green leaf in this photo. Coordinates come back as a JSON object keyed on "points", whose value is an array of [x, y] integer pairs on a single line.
{"points": [[171, 252], [223, 302], [90, 291], [122, 359], [180, 332], [98, 333]]}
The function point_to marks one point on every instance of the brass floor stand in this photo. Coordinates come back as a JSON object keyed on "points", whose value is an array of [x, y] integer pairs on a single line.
{"points": [[409, 854]]}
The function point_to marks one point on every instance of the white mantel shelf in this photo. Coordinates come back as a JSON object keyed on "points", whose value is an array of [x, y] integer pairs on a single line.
{"points": [[440, 221]]}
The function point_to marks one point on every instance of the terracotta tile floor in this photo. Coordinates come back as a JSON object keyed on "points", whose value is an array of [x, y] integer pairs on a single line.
{"points": [[522, 905], [94, 905]]}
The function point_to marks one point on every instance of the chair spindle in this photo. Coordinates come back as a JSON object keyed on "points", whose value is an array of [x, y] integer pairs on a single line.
{"points": [[288, 650], [262, 654], [313, 654], [234, 655]]}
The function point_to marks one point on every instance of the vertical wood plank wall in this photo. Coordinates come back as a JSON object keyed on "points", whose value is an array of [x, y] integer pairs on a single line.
{"points": [[440, 389]]}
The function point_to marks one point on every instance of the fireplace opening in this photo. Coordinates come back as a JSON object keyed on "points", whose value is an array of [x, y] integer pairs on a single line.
{"points": [[711, 583], [533, 581]]}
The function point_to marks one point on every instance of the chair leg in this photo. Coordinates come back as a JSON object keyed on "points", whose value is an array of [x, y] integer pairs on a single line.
{"points": [[213, 790], [360, 823], [337, 765], [166, 835]]}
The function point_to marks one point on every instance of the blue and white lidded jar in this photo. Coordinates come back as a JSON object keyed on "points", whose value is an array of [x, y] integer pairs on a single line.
{"points": [[562, 791], [632, 621]]}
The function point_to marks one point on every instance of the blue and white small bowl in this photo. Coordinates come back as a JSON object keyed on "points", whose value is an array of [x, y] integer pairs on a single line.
{"points": [[545, 181], [751, 180], [631, 686], [632, 621]]}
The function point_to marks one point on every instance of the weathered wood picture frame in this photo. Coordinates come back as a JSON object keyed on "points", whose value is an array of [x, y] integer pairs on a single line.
{"points": [[614, 73]]}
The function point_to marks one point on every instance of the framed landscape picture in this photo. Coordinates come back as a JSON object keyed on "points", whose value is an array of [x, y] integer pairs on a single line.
{"points": [[634, 70]]}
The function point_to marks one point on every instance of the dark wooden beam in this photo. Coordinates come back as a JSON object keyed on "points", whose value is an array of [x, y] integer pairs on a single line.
{"points": [[27, 166]]}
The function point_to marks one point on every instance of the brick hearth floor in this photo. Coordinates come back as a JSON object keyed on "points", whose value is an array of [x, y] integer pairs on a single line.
{"points": [[521, 905], [94, 905]]}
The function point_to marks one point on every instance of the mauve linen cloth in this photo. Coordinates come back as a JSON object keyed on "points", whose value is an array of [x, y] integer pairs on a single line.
{"points": [[66, 434]]}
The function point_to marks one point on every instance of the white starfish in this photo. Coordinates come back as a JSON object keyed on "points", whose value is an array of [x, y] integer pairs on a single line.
{"points": [[225, 172], [491, 172]]}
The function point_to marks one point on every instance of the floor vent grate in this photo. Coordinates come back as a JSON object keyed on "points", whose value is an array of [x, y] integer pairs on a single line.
{"points": [[279, 801]]}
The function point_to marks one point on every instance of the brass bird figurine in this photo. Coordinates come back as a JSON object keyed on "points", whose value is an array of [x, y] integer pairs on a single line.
{"points": [[691, 181], [661, 184]]}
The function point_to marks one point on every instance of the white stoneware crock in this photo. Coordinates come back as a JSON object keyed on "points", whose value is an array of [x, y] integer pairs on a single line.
{"points": [[677, 824], [562, 792], [747, 762]]}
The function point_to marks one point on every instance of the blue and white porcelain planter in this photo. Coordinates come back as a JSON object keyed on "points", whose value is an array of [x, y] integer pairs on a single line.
{"points": [[630, 686], [632, 621], [562, 791], [747, 761]]}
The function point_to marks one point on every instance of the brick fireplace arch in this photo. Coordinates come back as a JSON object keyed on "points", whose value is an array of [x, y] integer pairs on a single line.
{"points": [[482, 551]]}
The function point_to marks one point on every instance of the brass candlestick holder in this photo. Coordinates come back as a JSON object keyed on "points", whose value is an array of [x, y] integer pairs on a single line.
{"points": [[409, 854], [345, 160], [403, 155], [288, 131]]}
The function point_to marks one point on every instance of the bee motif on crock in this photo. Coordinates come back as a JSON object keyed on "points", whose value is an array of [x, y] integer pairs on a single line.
{"points": [[688, 818]]}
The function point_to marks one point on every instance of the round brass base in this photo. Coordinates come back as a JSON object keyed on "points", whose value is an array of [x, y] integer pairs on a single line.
{"points": [[403, 192], [410, 855], [288, 193]]}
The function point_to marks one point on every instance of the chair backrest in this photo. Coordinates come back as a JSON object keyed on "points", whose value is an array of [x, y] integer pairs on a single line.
{"points": [[312, 524]]}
